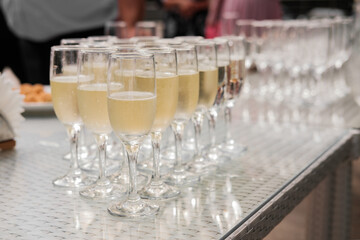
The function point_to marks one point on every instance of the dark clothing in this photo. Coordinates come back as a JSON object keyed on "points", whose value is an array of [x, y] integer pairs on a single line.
{"points": [[9, 48], [175, 25], [36, 55]]}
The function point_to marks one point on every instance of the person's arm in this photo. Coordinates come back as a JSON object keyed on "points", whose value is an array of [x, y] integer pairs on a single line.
{"points": [[131, 11]]}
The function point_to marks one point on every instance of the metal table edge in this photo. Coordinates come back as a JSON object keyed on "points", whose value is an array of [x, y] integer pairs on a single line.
{"points": [[263, 220]]}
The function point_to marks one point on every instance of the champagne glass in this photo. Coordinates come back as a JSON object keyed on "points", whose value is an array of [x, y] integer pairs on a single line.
{"points": [[132, 111], [149, 28], [92, 104], [188, 98], [72, 41], [222, 62], [206, 53], [101, 40], [233, 87], [167, 90], [116, 28], [228, 23], [63, 89], [72, 70], [143, 39]]}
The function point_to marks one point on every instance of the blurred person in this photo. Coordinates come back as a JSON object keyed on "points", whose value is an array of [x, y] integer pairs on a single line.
{"points": [[242, 9], [41, 24], [184, 17]]}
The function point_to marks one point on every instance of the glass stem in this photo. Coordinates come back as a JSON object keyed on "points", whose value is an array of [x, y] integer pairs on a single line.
{"points": [[73, 133], [228, 137], [212, 116], [178, 129], [198, 119], [101, 140], [132, 151], [155, 140]]}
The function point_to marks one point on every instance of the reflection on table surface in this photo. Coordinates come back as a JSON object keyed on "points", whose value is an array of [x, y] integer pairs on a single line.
{"points": [[32, 208]]}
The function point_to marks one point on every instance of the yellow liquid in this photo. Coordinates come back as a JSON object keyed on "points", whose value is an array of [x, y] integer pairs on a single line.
{"points": [[131, 113], [188, 95], [92, 102], [167, 91], [208, 87], [63, 91]]}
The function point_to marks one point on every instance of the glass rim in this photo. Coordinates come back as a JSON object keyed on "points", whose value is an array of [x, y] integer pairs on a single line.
{"points": [[67, 47], [220, 41], [134, 55], [232, 38], [72, 40], [125, 47], [100, 37], [115, 23], [96, 50], [205, 42], [142, 38], [146, 24], [169, 41], [183, 47], [155, 50], [244, 22]]}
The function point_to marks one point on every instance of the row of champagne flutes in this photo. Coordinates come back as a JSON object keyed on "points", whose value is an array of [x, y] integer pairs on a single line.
{"points": [[142, 28], [139, 87], [300, 62]]}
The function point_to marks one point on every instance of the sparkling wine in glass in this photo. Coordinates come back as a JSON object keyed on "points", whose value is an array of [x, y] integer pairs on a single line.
{"points": [[187, 103], [132, 110], [167, 90], [64, 97], [92, 104], [223, 65], [208, 70], [232, 91]]}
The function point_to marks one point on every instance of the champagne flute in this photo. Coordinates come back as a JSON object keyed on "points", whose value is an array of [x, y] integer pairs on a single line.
{"points": [[188, 98], [167, 90], [63, 89], [208, 70], [147, 28], [223, 62], [233, 87], [92, 104], [116, 28], [132, 112]]}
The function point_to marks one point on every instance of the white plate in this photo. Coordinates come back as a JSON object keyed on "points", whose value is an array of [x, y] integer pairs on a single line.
{"points": [[39, 106]]}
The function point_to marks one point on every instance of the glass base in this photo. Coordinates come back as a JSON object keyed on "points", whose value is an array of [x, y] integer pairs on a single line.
{"points": [[123, 180], [232, 147], [158, 190], [189, 144], [103, 189], [169, 155], [134, 209], [200, 165], [83, 153], [214, 155], [147, 166], [92, 165], [181, 178], [74, 179]]}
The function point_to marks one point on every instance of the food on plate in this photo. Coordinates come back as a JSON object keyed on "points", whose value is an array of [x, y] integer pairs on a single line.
{"points": [[34, 93]]}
